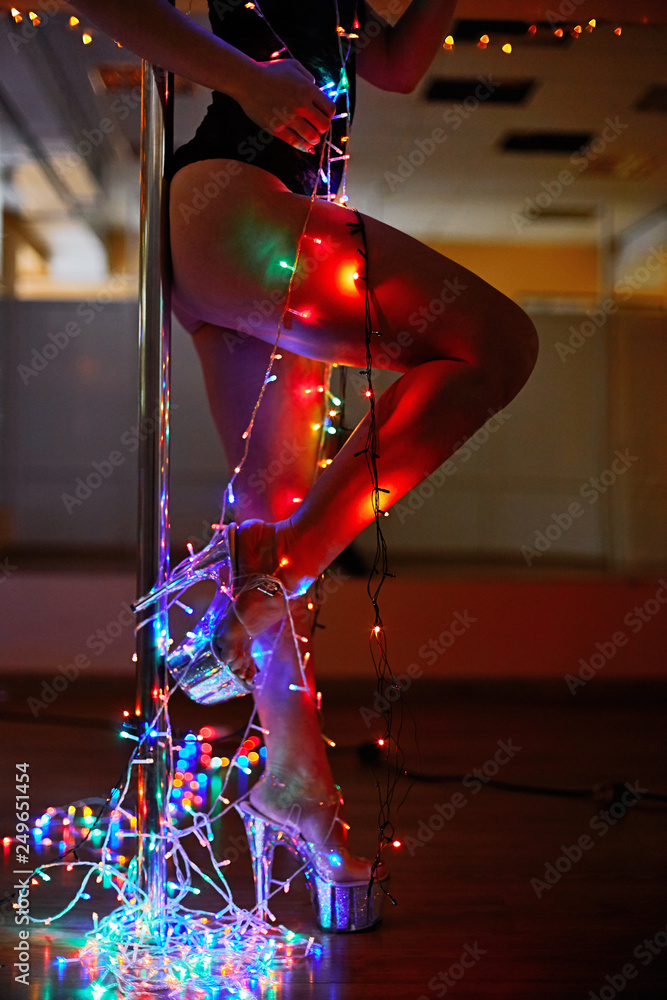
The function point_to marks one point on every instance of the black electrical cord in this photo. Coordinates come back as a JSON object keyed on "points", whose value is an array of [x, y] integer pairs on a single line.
{"points": [[370, 754], [606, 791]]}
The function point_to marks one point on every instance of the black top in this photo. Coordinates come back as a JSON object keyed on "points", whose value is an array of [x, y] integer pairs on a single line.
{"points": [[308, 29]]}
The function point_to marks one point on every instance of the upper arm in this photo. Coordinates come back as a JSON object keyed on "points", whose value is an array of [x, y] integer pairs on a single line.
{"points": [[372, 61]]}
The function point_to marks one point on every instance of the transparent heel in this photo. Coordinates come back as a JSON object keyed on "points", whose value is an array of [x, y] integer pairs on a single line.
{"points": [[198, 664], [209, 564], [214, 661], [341, 906], [206, 671], [262, 842]]}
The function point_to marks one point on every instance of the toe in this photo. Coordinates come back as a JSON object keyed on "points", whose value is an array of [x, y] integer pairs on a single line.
{"points": [[233, 648]]}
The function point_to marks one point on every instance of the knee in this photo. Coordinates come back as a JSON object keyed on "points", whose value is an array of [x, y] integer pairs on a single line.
{"points": [[512, 350], [525, 348]]}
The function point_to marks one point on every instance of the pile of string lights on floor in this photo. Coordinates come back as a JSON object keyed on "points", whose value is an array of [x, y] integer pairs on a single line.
{"points": [[227, 953]]}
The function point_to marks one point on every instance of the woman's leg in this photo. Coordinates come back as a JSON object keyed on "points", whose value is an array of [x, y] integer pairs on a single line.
{"points": [[280, 466], [464, 348], [281, 463]]}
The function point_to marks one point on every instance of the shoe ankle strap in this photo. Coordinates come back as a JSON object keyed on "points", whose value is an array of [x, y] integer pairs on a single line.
{"points": [[334, 799]]}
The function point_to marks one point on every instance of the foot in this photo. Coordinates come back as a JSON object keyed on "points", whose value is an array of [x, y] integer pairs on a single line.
{"points": [[210, 670], [232, 646], [315, 811], [264, 577]]}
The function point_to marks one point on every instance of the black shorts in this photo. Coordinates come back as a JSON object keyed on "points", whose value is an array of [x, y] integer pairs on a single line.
{"points": [[227, 132]]}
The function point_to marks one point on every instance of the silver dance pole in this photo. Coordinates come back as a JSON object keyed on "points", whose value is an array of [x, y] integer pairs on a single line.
{"points": [[153, 566]]}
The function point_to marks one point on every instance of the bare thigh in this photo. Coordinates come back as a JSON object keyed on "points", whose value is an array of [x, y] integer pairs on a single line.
{"points": [[229, 262]]}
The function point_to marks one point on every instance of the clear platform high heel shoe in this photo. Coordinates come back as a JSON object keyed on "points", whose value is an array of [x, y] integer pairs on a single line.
{"points": [[214, 662], [346, 897], [205, 671]]}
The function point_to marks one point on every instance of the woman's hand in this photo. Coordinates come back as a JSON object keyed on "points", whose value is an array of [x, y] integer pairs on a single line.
{"points": [[285, 100]]}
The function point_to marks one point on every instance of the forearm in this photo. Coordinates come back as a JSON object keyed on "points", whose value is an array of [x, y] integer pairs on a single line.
{"points": [[156, 31], [398, 58]]}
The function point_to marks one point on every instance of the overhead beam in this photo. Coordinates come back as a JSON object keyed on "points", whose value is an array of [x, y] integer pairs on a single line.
{"points": [[39, 151], [20, 228]]}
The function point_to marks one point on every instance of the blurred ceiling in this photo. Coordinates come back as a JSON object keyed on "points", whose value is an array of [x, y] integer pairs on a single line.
{"points": [[588, 90], [440, 169]]}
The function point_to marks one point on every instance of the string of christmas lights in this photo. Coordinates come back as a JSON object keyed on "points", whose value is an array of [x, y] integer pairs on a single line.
{"points": [[568, 29], [230, 950], [379, 573]]}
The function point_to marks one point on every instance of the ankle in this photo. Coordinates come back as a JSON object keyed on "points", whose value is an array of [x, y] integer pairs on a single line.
{"points": [[311, 805], [294, 571]]}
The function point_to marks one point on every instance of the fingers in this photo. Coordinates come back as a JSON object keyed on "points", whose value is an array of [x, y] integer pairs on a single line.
{"points": [[300, 68], [307, 111], [305, 130], [308, 126], [321, 112], [292, 139], [324, 104], [300, 133]]}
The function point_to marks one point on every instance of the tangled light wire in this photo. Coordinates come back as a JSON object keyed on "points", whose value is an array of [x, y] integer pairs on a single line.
{"points": [[202, 954]]}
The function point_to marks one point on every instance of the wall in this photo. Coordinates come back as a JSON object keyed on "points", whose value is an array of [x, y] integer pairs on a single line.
{"points": [[71, 439], [565, 271]]}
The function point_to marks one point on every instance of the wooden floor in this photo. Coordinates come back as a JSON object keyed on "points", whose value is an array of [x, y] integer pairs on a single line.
{"points": [[462, 880]]}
